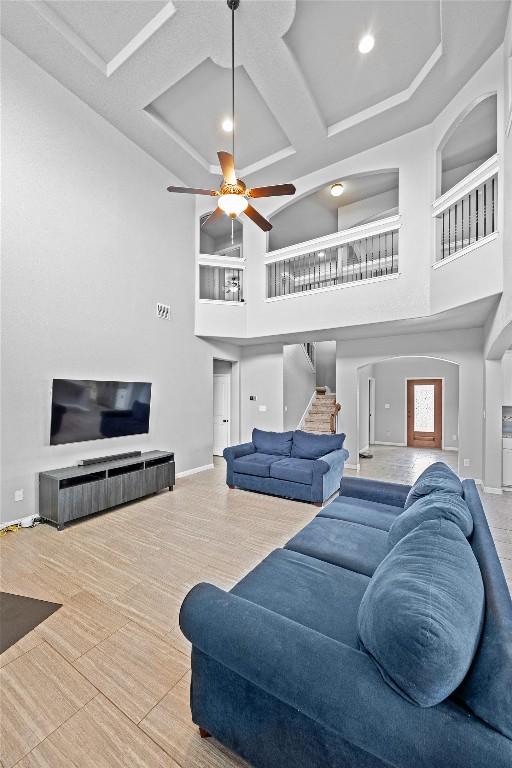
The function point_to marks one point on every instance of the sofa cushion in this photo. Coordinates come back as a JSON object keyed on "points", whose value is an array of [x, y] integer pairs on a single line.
{"points": [[254, 464], [315, 594], [487, 688], [296, 470], [349, 545], [353, 510], [437, 477], [307, 445], [277, 443], [437, 504], [421, 616]]}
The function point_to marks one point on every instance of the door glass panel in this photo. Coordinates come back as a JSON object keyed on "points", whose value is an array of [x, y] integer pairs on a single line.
{"points": [[423, 407]]}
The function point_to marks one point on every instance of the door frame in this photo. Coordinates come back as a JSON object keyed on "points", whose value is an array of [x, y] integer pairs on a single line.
{"points": [[371, 410], [230, 408], [426, 380]]}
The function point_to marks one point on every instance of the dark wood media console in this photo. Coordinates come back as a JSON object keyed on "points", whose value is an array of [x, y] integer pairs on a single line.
{"points": [[74, 492]]}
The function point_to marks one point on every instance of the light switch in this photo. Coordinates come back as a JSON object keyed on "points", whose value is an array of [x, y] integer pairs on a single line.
{"points": [[387, 405], [18, 495]]}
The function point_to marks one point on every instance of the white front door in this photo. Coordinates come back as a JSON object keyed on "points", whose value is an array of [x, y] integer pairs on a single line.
{"points": [[221, 411]]}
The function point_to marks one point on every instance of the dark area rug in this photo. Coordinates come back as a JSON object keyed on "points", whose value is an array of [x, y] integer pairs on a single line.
{"points": [[20, 615]]}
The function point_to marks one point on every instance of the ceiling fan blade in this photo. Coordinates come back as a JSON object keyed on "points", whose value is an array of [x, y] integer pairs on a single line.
{"points": [[258, 219], [272, 191], [213, 215], [192, 191], [227, 164]]}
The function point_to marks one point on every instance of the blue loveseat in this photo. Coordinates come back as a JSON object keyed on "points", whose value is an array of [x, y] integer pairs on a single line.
{"points": [[297, 465], [287, 669]]}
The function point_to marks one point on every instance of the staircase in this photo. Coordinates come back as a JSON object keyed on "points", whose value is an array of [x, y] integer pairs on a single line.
{"points": [[321, 416]]}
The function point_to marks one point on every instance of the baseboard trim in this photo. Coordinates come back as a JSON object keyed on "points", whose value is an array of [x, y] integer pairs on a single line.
{"points": [[490, 489], [383, 442], [195, 470], [25, 522]]}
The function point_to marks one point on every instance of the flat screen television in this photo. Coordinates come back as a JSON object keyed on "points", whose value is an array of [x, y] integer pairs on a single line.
{"points": [[91, 410]]}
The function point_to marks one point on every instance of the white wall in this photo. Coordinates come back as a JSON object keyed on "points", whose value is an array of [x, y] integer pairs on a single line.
{"points": [[91, 241], [262, 376], [364, 374], [506, 368], [367, 210], [299, 382], [304, 220], [390, 389], [325, 358], [462, 347]]}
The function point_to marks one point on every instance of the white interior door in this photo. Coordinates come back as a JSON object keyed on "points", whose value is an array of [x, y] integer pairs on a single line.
{"points": [[221, 411]]}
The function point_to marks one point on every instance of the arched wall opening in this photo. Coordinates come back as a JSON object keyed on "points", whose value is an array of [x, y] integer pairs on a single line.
{"points": [[384, 421], [366, 197], [470, 141], [221, 237]]}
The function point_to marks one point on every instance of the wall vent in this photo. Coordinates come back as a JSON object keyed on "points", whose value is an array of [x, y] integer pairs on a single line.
{"points": [[163, 311]]}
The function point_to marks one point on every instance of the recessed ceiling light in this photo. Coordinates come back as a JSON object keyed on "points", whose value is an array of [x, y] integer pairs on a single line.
{"points": [[337, 189], [366, 43], [227, 125]]}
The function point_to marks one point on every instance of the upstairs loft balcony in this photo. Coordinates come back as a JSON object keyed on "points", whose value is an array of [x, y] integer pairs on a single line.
{"points": [[468, 249], [364, 253], [467, 214]]}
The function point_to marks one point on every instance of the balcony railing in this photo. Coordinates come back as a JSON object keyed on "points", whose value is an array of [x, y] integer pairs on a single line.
{"points": [[220, 284], [467, 215], [362, 253]]}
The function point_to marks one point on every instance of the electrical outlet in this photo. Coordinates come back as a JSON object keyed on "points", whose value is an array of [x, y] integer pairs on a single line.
{"points": [[387, 405], [262, 408], [18, 495], [163, 311], [467, 463]]}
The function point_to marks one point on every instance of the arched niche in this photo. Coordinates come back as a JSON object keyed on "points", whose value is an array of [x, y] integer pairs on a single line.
{"points": [[469, 141], [220, 237], [366, 197]]}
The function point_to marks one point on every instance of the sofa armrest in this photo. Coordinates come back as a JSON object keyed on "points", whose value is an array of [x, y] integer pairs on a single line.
{"points": [[232, 453], [331, 480], [235, 451], [375, 490], [334, 684]]}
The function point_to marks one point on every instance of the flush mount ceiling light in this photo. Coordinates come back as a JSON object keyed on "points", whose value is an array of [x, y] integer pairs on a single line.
{"points": [[336, 189], [366, 43], [233, 194], [227, 125]]}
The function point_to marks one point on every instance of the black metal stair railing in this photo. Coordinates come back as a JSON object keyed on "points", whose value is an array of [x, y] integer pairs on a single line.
{"points": [[367, 257], [220, 283], [469, 219]]}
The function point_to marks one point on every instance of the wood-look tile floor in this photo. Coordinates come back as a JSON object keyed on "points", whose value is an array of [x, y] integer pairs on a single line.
{"points": [[103, 682]]}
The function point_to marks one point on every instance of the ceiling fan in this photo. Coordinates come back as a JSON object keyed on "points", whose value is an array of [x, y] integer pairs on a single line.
{"points": [[233, 195]]}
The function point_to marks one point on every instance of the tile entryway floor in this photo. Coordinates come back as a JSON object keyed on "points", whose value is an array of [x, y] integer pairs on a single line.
{"points": [[103, 683]]}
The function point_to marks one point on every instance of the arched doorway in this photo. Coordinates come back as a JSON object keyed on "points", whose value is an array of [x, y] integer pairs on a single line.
{"points": [[408, 416]]}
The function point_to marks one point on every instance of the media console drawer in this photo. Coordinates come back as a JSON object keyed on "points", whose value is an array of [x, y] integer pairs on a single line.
{"points": [[73, 492]]}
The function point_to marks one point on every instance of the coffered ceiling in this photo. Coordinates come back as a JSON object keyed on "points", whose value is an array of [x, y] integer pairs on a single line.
{"points": [[159, 71]]}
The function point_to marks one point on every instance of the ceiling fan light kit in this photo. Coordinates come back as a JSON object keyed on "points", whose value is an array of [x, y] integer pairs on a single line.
{"points": [[233, 195]]}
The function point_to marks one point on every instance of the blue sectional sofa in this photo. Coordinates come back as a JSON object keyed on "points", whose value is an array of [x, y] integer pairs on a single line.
{"points": [[297, 465], [380, 635]]}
